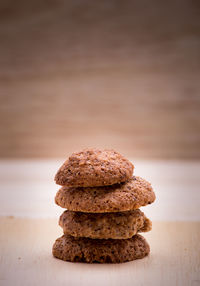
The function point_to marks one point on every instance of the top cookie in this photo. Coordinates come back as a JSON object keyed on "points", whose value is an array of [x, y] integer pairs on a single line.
{"points": [[93, 167]]}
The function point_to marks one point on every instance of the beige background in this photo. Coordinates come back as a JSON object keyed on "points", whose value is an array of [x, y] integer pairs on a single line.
{"points": [[120, 74], [114, 74]]}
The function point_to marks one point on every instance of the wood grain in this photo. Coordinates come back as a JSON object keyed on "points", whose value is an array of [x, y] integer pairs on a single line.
{"points": [[26, 259], [100, 73]]}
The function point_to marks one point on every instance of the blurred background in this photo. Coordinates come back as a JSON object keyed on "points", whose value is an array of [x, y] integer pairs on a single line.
{"points": [[115, 74], [108, 74]]}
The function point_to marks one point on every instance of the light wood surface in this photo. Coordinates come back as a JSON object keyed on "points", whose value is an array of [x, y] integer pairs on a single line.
{"points": [[114, 74], [27, 190], [26, 259]]}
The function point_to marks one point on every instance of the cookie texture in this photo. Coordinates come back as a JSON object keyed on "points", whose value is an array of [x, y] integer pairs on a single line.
{"points": [[93, 167], [89, 250], [120, 225], [127, 196]]}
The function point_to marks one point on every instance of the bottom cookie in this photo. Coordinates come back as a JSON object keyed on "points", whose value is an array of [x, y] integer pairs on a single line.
{"points": [[89, 250]]}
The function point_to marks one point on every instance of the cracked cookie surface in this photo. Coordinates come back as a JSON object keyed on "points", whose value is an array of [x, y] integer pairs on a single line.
{"points": [[127, 196], [93, 167], [89, 250], [120, 225]]}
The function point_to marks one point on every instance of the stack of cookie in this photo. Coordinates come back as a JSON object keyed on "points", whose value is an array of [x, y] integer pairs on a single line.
{"points": [[102, 198]]}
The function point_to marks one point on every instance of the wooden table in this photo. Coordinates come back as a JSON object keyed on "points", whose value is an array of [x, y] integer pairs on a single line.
{"points": [[25, 243], [25, 249]]}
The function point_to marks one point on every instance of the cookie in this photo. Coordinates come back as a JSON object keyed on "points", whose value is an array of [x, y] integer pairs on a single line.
{"points": [[93, 167], [127, 196], [89, 250], [120, 225]]}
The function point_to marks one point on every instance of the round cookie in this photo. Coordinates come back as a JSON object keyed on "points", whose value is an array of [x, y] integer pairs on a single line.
{"points": [[127, 196], [120, 225], [93, 167], [89, 250]]}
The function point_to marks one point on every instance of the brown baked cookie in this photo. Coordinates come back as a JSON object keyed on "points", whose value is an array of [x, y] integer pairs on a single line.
{"points": [[120, 197], [89, 250], [93, 167], [120, 225]]}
